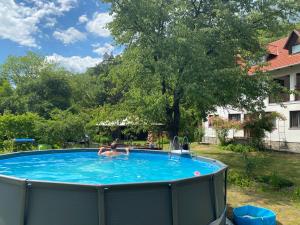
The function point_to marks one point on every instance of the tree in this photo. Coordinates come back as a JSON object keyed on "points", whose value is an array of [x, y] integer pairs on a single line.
{"points": [[95, 87], [103, 67], [50, 90], [5, 88], [183, 54], [17, 69], [30, 84], [92, 91], [6, 91]]}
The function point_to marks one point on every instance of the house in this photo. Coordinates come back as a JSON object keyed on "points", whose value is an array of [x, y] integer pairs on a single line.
{"points": [[284, 66]]}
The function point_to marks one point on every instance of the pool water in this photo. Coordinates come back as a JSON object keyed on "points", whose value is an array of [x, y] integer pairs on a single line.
{"points": [[89, 168]]}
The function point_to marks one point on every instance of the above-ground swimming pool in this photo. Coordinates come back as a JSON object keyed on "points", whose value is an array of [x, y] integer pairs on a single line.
{"points": [[78, 187], [89, 168]]}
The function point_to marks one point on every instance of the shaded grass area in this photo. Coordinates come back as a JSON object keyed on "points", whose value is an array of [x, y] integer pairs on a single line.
{"points": [[282, 201]]}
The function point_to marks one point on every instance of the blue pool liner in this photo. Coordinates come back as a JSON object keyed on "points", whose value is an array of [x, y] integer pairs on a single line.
{"points": [[252, 215]]}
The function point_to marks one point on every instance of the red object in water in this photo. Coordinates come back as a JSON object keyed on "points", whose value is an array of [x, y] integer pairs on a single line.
{"points": [[197, 173]]}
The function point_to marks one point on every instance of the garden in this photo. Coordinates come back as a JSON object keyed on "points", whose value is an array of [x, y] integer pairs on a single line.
{"points": [[266, 179], [257, 176]]}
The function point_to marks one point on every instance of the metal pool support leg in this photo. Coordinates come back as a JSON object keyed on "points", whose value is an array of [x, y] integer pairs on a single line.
{"points": [[101, 205], [213, 197], [26, 203], [174, 204], [219, 216]]}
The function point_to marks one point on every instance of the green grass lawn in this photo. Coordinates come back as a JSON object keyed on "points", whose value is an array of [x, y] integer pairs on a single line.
{"points": [[283, 201]]}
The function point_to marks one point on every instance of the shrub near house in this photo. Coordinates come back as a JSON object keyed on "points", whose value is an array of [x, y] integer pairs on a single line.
{"points": [[223, 126]]}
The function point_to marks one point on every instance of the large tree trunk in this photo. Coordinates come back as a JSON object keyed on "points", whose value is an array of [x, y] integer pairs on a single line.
{"points": [[172, 111], [173, 116]]}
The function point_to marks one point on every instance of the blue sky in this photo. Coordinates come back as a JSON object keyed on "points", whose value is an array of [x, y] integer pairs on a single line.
{"points": [[72, 33]]}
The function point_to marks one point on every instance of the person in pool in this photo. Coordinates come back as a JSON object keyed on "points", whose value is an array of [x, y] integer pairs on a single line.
{"points": [[111, 150]]}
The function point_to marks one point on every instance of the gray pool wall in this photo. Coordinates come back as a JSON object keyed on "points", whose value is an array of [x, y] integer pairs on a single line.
{"points": [[194, 201]]}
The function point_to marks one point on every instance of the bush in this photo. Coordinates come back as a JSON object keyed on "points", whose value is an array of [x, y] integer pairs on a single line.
{"points": [[258, 124], [222, 136], [276, 182], [17, 126], [296, 193], [239, 180], [105, 140], [23, 146], [238, 148], [102, 139], [251, 163], [223, 126], [165, 141], [8, 145], [96, 138], [44, 147], [199, 134], [56, 146], [257, 143], [62, 127]]}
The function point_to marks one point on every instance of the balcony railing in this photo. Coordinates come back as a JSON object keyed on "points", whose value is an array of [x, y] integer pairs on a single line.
{"points": [[283, 97]]}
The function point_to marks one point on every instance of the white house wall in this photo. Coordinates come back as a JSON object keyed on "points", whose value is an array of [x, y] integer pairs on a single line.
{"points": [[291, 135], [223, 113]]}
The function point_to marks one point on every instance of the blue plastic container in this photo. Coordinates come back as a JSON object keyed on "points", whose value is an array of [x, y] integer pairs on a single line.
{"points": [[24, 140], [252, 215]]}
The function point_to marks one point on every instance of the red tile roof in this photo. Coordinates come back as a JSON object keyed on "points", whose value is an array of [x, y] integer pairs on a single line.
{"points": [[282, 57]]}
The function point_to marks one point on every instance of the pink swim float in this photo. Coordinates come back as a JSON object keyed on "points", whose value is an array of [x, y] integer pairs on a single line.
{"points": [[197, 173]]}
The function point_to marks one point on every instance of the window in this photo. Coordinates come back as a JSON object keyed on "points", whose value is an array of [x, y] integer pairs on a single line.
{"points": [[295, 119], [293, 43], [270, 57], [247, 133], [274, 121], [296, 49], [297, 87], [210, 120], [235, 117], [281, 97]]}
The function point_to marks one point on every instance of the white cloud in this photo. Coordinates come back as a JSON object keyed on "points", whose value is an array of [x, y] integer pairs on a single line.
{"points": [[50, 22], [101, 50], [75, 64], [83, 19], [66, 5], [98, 25], [69, 36], [19, 22]]}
